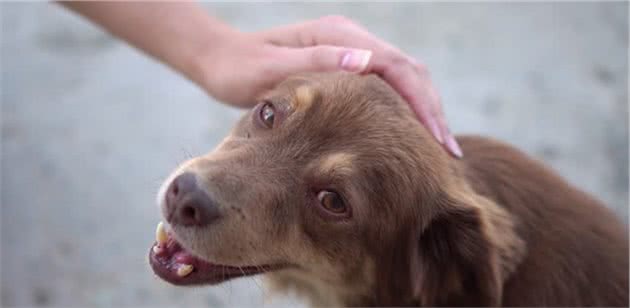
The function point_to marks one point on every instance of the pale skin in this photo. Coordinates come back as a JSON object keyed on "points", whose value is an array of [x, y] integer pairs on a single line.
{"points": [[235, 67]]}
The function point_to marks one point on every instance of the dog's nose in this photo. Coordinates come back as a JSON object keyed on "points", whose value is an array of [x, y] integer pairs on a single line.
{"points": [[187, 204]]}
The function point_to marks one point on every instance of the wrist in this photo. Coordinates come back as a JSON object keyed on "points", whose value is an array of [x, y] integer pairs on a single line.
{"points": [[207, 52], [215, 58], [200, 39]]}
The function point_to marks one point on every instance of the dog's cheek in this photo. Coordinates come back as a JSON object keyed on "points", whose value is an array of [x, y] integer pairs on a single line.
{"points": [[231, 243], [256, 233]]}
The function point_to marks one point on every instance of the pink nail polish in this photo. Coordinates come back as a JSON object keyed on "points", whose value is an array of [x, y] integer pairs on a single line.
{"points": [[355, 60], [435, 131], [453, 146]]}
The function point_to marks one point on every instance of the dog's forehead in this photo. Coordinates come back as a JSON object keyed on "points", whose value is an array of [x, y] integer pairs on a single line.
{"points": [[338, 102], [303, 97], [298, 92], [303, 91]]}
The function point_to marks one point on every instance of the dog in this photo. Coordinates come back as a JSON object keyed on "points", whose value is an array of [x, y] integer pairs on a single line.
{"points": [[333, 189]]}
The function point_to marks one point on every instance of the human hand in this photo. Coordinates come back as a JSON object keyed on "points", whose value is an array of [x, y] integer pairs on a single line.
{"points": [[236, 67], [326, 44]]}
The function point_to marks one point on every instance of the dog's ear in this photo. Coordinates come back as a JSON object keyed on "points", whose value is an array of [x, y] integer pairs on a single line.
{"points": [[453, 260]]}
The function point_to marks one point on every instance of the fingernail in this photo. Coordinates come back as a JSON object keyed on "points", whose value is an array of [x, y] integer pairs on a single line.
{"points": [[355, 60], [435, 131], [453, 146]]}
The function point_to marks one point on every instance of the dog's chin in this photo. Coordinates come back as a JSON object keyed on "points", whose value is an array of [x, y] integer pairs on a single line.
{"points": [[174, 264]]}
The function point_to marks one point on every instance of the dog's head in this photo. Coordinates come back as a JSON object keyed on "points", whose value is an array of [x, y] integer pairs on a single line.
{"points": [[332, 185]]}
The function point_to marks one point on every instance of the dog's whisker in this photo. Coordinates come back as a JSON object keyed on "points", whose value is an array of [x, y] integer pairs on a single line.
{"points": [[259, 269], [231, 290], [223, 273]]}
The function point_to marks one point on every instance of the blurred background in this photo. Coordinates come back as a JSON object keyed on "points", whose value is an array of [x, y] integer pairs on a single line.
{"points": [[90, 127]]}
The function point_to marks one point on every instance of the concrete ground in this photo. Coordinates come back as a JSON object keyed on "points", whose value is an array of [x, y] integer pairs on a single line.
{"points": [[90, 127]]}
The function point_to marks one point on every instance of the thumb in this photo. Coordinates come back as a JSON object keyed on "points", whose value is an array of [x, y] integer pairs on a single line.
{"points": [[324, 58]]}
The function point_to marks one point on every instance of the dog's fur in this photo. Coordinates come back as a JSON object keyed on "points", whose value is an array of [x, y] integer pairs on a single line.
{"points": [[494, 228]]}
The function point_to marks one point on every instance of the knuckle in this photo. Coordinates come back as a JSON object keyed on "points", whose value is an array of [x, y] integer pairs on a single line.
{"points": [[398, 60], [401, 61], [318, 51], [318, 55]]}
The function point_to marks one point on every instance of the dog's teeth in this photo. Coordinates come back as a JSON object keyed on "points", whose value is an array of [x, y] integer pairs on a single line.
{"points": [[184, 269], [160, 234], [157, 249]]}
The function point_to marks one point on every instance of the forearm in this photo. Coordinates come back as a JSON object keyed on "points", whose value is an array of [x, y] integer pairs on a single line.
{"points": [[174, 33]]}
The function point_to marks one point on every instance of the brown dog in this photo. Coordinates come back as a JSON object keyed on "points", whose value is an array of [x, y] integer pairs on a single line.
{"points": [[333, 188]]}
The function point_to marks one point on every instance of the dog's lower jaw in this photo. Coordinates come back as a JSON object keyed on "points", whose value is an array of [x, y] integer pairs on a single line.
{"points": [[353, 290], [288, 282]]}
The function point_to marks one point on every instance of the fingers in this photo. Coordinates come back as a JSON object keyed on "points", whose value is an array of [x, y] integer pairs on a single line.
{"points": [[328, 30], [406, 83], [416, 88], [320, 40], [449, 140], [437, 113], [323, 58]]}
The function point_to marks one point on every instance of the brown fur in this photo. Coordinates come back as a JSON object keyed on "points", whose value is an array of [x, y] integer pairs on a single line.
{"points": [[495, 228]]}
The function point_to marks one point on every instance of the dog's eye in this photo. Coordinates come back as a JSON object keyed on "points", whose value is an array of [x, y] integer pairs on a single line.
{"points": [[331, 201], [267, 114]]}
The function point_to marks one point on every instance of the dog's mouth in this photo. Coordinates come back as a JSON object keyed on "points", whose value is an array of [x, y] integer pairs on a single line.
{"points": [[171, 262]]}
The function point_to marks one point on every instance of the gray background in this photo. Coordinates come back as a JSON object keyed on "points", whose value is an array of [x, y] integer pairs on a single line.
{"points": [[90, 127]]}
